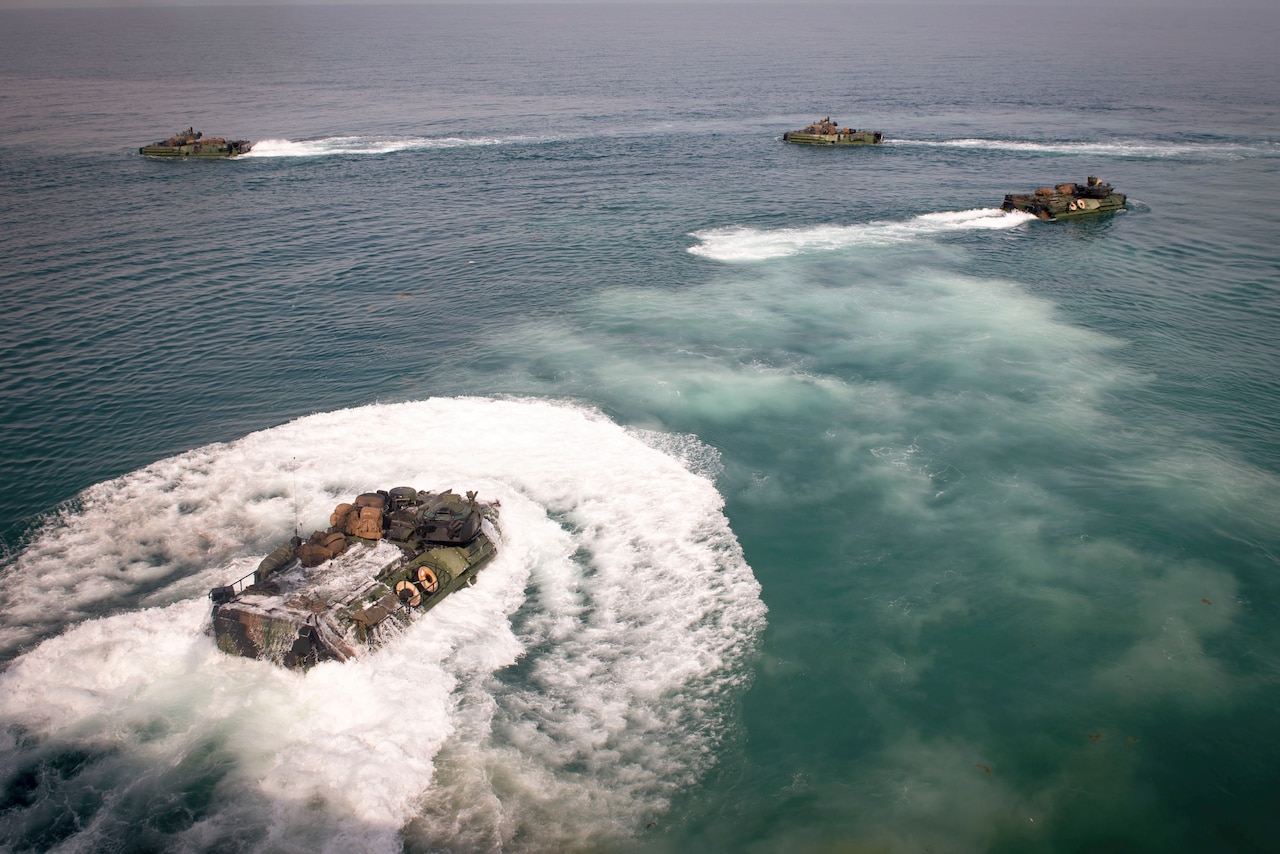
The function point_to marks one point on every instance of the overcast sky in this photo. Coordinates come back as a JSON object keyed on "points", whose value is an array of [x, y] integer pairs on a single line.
{"points": [[51, 4]]}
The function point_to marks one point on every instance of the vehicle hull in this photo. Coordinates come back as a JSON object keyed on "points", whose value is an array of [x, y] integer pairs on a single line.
{"points": [[231, 149], [321, 600], [1067, 201], [189, 143], [862, 137]]}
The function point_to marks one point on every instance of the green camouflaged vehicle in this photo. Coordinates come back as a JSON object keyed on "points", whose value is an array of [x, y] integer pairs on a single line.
{"points": [[1066, 201], [827, 132], [326, 598], [191, 143]]}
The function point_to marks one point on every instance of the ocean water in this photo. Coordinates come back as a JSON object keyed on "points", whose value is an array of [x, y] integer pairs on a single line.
{"points": [[841, 511]]}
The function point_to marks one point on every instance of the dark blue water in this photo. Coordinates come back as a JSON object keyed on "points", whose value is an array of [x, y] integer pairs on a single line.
{"points": [[841, 510]]}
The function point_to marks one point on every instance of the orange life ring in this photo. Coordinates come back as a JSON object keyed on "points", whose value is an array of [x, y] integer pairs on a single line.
{"points": [[407, 592], [428, 579]]}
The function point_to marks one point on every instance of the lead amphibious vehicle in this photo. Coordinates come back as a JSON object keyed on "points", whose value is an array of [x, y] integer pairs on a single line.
{"points": [[827, 132], [192, 143], [325, 598], [1067, 200]]}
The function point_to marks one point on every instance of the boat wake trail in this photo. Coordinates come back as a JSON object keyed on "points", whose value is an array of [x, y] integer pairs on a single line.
{"points": [[1132, 149], [371, 145], [739, 244], [558, 705]]}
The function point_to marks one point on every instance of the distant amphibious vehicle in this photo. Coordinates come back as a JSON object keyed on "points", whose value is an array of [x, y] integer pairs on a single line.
{"points": [[1067, 200], [192, 143], [827, 132], [324, 598]]}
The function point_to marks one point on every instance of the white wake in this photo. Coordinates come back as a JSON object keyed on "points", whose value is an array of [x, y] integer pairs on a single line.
{"points": [[371, 145], [740, 244], [557, 705]]}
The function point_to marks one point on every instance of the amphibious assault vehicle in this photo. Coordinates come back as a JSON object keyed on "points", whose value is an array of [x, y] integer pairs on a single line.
{"points": [[192, 143], [1067, 200], [344, 588], [827, 132]]}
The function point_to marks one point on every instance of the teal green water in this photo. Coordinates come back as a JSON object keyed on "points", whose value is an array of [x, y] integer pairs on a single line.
{"points": [[841, 511]]}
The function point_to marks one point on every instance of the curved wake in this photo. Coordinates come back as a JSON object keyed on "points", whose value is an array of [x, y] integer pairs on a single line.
{"points": [[558, 704]]}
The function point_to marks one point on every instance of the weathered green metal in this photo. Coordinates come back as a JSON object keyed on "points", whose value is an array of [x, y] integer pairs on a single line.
{"points": [[190, 143], [295, 612], [1067, 201], [827, 132]]}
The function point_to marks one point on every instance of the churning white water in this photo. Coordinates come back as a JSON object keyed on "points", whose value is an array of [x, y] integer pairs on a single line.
{"points": [[590, 672]]}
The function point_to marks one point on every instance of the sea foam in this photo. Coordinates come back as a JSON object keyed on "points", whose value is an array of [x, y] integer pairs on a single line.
{"points": [[560, 702]]}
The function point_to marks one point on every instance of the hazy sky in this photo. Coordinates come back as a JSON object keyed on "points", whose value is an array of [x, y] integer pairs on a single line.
{"points": [[51, 4]]}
